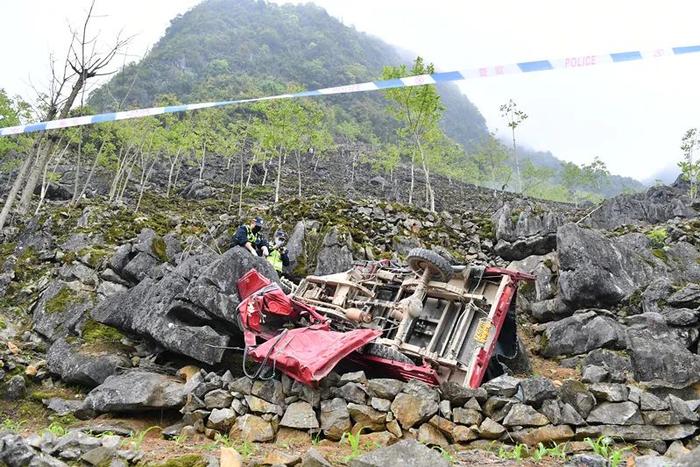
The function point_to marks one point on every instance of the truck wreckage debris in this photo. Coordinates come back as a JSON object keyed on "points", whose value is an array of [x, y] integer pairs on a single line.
{"points": [[431, 321]]}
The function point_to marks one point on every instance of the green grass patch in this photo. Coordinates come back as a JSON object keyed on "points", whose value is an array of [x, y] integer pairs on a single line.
{"points": [[189, 460], [61, 301], [94, 332], [660, 253]]}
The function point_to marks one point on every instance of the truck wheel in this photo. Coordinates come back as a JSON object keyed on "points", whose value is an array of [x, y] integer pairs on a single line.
{"points": [[386, 352], [420, 259]]}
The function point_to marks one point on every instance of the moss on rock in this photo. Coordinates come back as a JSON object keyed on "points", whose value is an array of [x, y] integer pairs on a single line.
{"points": [[61, 301], [159, 249], [94, 332]]}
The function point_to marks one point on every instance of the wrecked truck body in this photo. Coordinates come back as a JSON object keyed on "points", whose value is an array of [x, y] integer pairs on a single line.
{"points": [[430, 321]]}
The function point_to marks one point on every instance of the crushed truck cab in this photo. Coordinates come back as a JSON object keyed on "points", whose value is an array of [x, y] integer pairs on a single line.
{"points": [[430, 321]]}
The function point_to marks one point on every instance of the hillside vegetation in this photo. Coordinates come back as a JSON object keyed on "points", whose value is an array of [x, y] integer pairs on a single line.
{"points": [[224, 49]]}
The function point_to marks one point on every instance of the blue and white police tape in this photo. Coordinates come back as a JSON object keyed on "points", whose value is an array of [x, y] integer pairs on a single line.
{"points": [[420, 80]]}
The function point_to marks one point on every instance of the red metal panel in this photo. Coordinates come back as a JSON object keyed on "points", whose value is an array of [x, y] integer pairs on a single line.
{"points": [[483, 357], [394, 369], [251, 282], [309, 354]]}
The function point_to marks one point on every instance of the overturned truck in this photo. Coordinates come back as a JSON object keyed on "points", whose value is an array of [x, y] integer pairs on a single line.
{"points": [[430, 321]]}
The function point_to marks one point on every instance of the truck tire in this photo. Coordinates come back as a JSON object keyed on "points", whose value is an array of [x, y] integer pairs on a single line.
{"points": [[420, 259], [385, 352]]}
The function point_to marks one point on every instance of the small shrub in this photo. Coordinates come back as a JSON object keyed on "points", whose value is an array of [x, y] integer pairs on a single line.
{"points": [[516, 453], [354, 443], [604, 447], [657, 237], [9, 424], [137, 438], [57, 429]]}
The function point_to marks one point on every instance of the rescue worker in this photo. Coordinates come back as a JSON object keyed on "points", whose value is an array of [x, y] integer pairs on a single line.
{"points": [[249, 237], [278, 257]]}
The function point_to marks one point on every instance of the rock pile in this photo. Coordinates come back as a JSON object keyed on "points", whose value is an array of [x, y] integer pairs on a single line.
{"points": [[508, 409], [75, 446]]}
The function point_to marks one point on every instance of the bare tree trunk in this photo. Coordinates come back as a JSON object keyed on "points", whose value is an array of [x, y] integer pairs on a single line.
{"points": [[170, 173], [77, 169], [240, 190], [24, 168], [124, 165], [126, 181], [33, 178], [44, 185], [299, 171], [177, 173], [266, 164], [233, 185], [429, 197], [144, 180], [204, 154], [352, 170], [117, 174], [413, 180], [250, 171], [92, 171], [318, 159], [279, 178], [517, 164]]}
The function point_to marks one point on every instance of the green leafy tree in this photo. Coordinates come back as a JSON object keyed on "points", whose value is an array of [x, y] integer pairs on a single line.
{"points": [[489, 164], [595, 175], [13, 112], [535, 178], [573, 178], [690, 168], [514, 117], [206, 126], [280, 132], [418, 109]]}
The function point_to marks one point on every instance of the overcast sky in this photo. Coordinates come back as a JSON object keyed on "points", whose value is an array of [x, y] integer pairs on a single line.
{"points": [[632, 115]]}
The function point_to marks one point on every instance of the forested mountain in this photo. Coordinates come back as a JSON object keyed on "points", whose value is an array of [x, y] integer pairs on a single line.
{"points": [[227, 49], [224, 49]]}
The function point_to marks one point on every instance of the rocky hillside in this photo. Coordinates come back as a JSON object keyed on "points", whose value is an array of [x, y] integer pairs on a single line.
{"points": [[115, 322]]}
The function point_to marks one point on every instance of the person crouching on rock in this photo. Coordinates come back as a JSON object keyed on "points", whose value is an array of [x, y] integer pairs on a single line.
{"points": [[278, 257], [249, 237]]}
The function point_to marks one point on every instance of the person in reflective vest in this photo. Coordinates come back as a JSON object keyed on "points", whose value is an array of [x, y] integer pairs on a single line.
{"points": [[249, 237], [278, 256]]}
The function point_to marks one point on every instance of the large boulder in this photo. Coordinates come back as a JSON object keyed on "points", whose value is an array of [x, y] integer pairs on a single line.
{"points": [[61, 310], [335, 254], [599, 271], [409, 453], [191, 309], [416, 403], [297, 240], [581, 333], [74, 365], [658, 357], [524, 232], [135, 391]]}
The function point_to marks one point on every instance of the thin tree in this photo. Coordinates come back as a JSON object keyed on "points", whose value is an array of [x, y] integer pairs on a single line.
{"points": [[514, 117], [418, 109], [690, 168]]}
